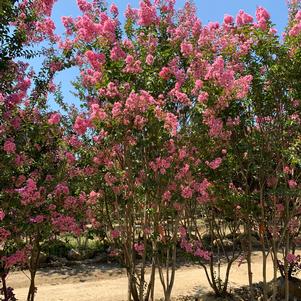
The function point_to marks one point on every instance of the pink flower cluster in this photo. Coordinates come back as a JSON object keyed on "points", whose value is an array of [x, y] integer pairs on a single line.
{"points": [[132, 65], [139, 102], [296, 29], [37, 219], [117, 53], [61, 189], [2, 215], [65, 224], [84, 6], [292, 258], [262, 17], [9, 146], [160, 164], [171, 123], [147, 13], [90, 77], [243, 18], [30, 193], [54, 118], [186, 192], [46, 28], [115, 234], [4, 235], [139, 248], [215, 163], [96, 60], [193, 247], [17, 258], [97, 113], [80, 126]]}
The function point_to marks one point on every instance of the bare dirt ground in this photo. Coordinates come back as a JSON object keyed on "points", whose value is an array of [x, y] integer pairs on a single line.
{"points": [[109, 282]]}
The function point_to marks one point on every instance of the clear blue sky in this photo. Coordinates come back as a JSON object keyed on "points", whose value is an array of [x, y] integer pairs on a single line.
{"points": [[208, 10]]}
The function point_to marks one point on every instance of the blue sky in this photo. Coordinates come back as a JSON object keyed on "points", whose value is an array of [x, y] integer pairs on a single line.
{"points": [[208, 10]]}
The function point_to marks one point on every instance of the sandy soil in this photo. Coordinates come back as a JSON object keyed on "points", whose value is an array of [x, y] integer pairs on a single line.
{"points": [[109, 283]]}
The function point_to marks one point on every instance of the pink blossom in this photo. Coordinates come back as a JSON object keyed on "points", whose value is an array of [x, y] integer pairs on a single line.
{"points": [[117, 53], [93, 196], [295, 30], [182, 153], [279, 208], [262, 13], [96, 60], [139, 122], [149, 59], [37, 219], [147, 13], [4, 235], [139, 248], [206, 255], [109, 30], [182, 231], [171, 123], [71, 202], [84, 6], [65, 224], [292, 184], [177, 206], [215, 163], [97, 113], [186, 49], [20, 159], [291, 258], [61, 189], [186, 192], [2, 215], [165, 73], [19, 257], [80, 125], [115, 234], [243, 18], [54, 118], [20, 180], [287, 170], [30, 193], [228, 19], [70, 157], [46, 28], [132, 65], [16, 122], [203, 97], [110, 179], [9, 146], [131, 13], [262, 17], [298, 15], [117, 109], [114, 9], [166, 195]]}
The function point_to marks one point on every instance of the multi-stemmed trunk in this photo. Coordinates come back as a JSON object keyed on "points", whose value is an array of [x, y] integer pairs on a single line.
{"points": [[168, 279]]}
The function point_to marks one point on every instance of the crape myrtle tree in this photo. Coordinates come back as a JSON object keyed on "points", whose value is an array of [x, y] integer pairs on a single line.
{"points": [[261, 159], [272, 146], [36, 198], [156, 98], [266, 146], [260, 166]]}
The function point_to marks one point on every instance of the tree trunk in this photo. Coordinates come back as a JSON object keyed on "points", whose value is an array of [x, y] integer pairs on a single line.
{"points": [[249, 261], [33, 266], [4, 287]]}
